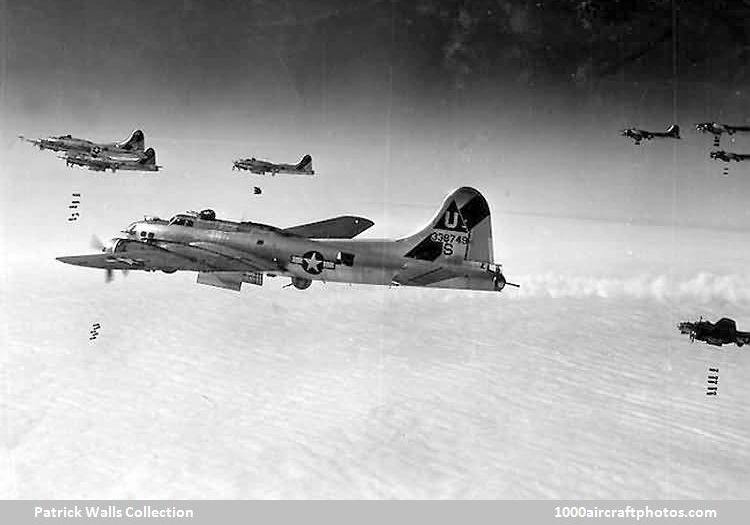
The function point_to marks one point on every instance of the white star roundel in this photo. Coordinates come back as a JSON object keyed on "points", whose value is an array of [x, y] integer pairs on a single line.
{"points": [[312, 262]]}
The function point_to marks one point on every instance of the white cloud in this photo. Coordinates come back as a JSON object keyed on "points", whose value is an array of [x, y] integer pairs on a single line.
{"points": [[703, 287]]}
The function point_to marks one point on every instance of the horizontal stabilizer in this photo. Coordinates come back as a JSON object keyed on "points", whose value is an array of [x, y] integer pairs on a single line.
{"points": [[344, 227]]}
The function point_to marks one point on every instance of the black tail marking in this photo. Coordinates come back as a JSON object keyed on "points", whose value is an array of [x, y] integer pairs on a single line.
{"points": [[305, 162]]}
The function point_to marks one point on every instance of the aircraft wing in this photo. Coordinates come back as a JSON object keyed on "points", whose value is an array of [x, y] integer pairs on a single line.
{"points": [[224, 257], [84, 158], [35, 142], [141, 260], [198, 256], [91, 163], [344, 227]]}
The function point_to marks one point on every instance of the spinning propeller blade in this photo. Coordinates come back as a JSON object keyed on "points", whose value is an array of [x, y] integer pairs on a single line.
{"points": [[97, 244]]}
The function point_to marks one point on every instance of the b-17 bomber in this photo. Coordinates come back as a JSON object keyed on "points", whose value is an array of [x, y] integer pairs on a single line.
{"points": [[728, 156], [638, 135], [723, 332], [716, 128], [70, 144], [145, 161], [261, 167], [454, 250]]}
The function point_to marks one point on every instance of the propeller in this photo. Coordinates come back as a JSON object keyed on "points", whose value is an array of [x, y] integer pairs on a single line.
{"points": [[97, 244], [110, 275], [100, 246], [694, 331]]}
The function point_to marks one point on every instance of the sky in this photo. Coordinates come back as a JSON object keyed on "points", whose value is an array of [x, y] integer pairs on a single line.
{"points": [[398, 104]]}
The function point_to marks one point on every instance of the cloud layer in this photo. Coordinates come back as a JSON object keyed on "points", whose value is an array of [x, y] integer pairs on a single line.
{"points": [[704, 287]]}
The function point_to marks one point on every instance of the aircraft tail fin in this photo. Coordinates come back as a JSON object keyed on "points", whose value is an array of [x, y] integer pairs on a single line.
{"points": [[462, 229], [136, 142], [305, 164], [673, 131], [149, 157]]}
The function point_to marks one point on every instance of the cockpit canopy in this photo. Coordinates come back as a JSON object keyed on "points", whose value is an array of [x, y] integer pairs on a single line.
{"points": [[188, 219], [181, 220]]}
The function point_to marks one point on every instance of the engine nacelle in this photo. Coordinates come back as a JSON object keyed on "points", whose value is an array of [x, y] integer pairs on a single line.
{"points": [[300, 283]]}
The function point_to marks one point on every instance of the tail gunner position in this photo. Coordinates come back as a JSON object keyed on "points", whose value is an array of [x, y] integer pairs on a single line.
{"points": [[453, 251]]}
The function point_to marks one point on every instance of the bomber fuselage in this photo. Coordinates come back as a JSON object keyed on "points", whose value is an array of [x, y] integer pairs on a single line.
{"points": [[340, 260], [454, 250]]}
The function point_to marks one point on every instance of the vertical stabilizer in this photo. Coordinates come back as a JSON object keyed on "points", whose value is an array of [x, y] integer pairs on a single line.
{"points": [[462, 229], [149, 157], [305, 164], [136, 142]]}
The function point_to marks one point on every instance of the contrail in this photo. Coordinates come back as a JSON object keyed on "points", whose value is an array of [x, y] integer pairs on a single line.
{"points": [[704, 287]]}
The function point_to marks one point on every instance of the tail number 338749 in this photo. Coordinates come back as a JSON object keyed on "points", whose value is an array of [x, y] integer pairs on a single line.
{"points": [[448, 240]]}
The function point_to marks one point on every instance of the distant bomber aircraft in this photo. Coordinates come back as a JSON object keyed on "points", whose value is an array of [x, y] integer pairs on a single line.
{"points": [[717, 129], [453, 251], [673, 132], [728, 156], [261, 167], [67, 143], [145, 161], [724, 332]]}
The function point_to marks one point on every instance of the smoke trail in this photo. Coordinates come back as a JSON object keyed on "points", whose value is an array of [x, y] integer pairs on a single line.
{"points": [[704, 287]]}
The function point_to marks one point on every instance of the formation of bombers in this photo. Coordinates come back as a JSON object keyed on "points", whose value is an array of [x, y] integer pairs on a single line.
{"points": [[724, 331], [454, 250], [100, 156], [673, 132]]}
